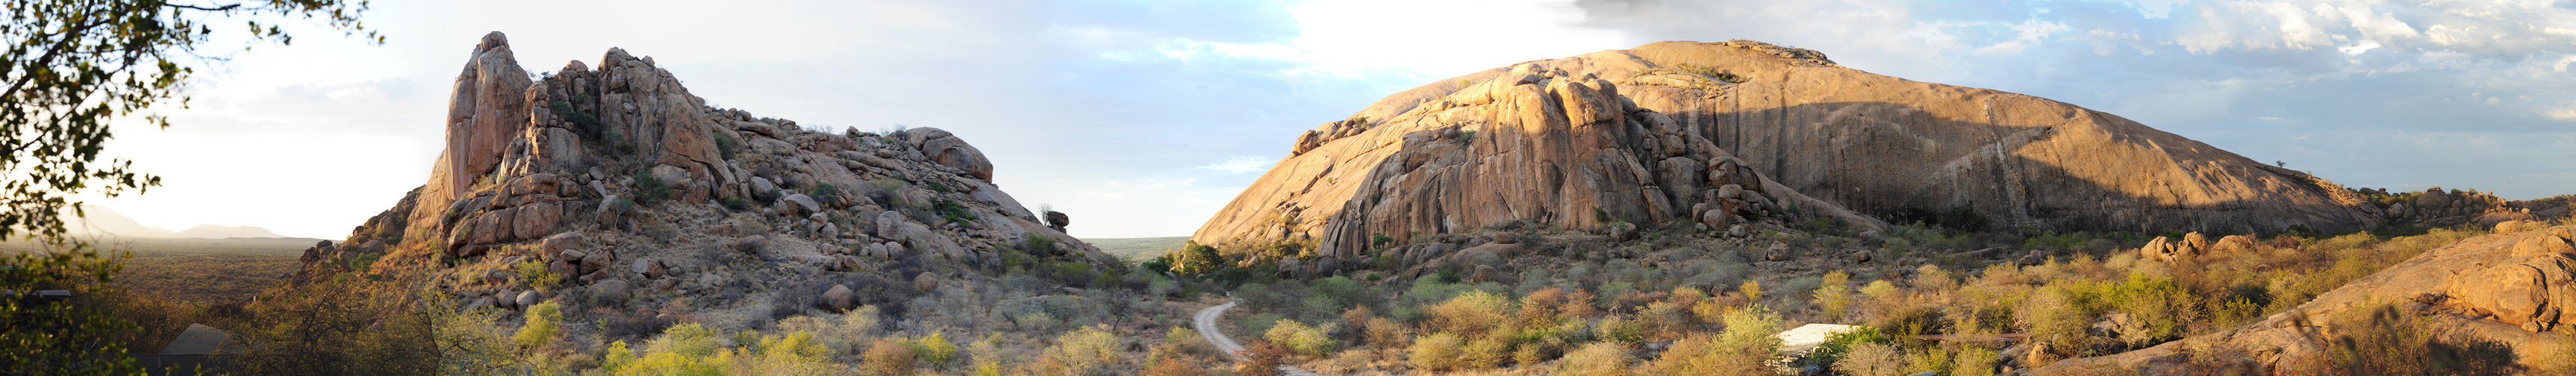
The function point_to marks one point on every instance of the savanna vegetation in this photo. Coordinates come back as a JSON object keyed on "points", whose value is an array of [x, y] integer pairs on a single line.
{"points": [[1678, 305]]}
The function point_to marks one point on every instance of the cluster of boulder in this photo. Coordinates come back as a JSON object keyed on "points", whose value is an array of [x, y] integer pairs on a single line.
{"points": [[2167, 249], [520, 210], [2510, 287], [619, 185], [2534, 288], [2435, 207]]}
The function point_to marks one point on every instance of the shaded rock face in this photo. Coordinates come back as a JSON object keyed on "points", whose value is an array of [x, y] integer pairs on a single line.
{"points": [[2509, 287], [1641, 135]]}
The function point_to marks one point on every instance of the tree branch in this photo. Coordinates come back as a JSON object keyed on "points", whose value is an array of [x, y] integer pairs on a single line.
{"points": [[70, 35], [195, 7]]}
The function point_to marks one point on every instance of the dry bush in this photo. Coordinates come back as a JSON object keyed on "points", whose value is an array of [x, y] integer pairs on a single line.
{"points": [[1485, 353], [887, 358], [1597, 359], [1539, 308], [2050, 317], [1437, 352], [1262, 359], [1578, 304], [1742, 349], [1974, 361], [2389, 341], [1620, 329], [1081, 352], [1387, 334], [1871, 359], [1472, 313], [344, 325], [1180, 343]]}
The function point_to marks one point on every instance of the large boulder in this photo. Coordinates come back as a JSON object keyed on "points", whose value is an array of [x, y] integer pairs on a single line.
{"points": [[535, 220], [798, 205], [948, 150], [1057, 220], [553, 246], [751, 244], [611, 291], [1583, 141], [840, 297]]}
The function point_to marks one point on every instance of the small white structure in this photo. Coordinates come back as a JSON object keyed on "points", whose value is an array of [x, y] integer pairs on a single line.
{"points": [[1795, 343]]}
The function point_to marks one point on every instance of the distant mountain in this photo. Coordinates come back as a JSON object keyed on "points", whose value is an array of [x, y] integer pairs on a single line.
{"points": [[103, 221], [221, 231]]}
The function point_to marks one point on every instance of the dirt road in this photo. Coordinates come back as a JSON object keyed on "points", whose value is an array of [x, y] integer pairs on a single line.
{"points": [[1206, 319]]}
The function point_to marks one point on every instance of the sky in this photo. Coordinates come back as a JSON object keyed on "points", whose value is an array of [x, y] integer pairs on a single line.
{"points": [[1142, 118]]}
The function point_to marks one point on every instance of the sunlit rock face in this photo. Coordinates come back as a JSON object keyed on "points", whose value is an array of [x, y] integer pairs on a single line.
{"points": [[1654, 134]]}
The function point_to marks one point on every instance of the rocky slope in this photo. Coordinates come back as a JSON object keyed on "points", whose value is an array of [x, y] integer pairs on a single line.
{"points": [[626, 190], [2511, 287], [1656, 135]]}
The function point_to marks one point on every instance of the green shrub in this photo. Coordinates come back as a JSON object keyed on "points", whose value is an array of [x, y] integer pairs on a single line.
{"points": [[1620, 329], [949, 210], [1835, 295], [1841, 344], [1437, 352], [1974, 361], [649, 189], [828, 192], [725, 145], [1485, 353], [685, 349], [1085, 351], [622, 145], [1261, 322], [1964, 218], [933, 348], [543, 327], [1473, 312], [1299, 338], [2160, 303], [583, 122]]}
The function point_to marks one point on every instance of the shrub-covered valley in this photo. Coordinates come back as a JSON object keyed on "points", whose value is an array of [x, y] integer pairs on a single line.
{"points": [[1624, 212]]}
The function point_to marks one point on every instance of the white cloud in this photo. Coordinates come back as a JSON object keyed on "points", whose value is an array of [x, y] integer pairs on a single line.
{"points": [[2333, 83], [1422, 39], [2563, 112]]}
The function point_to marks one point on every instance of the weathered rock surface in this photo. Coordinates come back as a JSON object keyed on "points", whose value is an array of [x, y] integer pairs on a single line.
{"points": [[1633, 136], [2513, 288], [613, 183]]}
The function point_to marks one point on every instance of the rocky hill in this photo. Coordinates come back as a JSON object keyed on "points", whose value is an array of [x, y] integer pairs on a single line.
{"points": [[1724, 133], [613, 186], [2510, 289]]}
